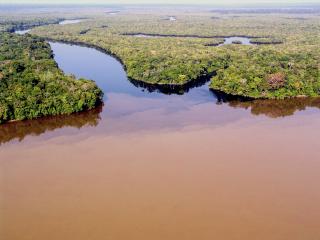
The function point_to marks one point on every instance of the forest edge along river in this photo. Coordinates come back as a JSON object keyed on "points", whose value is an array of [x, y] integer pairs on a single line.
{"points": [[149, 165], [110, 76]]}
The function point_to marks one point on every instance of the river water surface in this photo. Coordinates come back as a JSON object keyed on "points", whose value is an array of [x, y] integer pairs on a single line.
{"points": [[148, 165]]}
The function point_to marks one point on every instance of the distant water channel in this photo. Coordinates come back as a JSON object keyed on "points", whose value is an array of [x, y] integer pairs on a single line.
{"points": [[227, 40], [22, 32], [71, 21], [64, 22], [238, 40], [149, 165]]}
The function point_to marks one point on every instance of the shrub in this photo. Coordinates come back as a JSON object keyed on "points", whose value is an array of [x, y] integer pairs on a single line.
{"points": [[276, 80]]}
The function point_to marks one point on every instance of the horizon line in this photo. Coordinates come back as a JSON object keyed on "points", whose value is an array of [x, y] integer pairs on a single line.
{"points": [[166, 4]]}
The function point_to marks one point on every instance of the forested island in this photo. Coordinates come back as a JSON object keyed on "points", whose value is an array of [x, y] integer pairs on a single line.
{"points": [[32, 85]]}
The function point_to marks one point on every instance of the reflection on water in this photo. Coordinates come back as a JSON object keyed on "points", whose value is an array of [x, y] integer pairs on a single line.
{"points": [[121, 112], [20, 129], [154, 107], [268, 107], [172, 89], [277, 108]]}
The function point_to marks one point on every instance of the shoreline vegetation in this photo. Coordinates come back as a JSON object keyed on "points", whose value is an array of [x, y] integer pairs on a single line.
{"points": [[202, 79], [179, 53], [151, 87], [32, 85], [221, 39], [173, 60], [186, 35]]}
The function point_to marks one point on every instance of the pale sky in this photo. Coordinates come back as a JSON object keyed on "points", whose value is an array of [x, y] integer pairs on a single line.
{"points": [[209, 2]]}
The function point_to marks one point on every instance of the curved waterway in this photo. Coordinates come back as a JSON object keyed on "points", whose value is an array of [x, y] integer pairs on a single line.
{"points": [[149, 165]]}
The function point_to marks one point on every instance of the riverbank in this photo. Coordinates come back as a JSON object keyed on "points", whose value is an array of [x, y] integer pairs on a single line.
{"points": [[33, 86], [179, 56], [242, 39], [187, 35], [148, 165], [166, 88], [24, 27], [244, 88]]}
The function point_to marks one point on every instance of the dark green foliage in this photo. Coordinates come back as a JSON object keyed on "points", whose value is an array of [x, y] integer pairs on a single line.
{"points": [[31, 84]]}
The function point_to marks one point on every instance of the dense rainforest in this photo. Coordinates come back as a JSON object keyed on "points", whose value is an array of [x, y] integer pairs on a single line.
{"points": [[32, 85], [283, 63]]}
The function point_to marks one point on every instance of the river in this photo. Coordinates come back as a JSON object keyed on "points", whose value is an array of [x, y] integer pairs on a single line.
{"points": [[149, 165]]}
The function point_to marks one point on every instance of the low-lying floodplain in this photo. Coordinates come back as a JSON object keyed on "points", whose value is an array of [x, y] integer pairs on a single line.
{"points": [[147, 123], [249, 54], [269, 61]]}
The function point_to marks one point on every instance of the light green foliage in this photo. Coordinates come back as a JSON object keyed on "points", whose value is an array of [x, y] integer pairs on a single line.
{"points": [[241, 70]]}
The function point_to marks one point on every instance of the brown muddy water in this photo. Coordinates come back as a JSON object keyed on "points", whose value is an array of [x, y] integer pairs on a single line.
{"points": [[149, 165]]}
